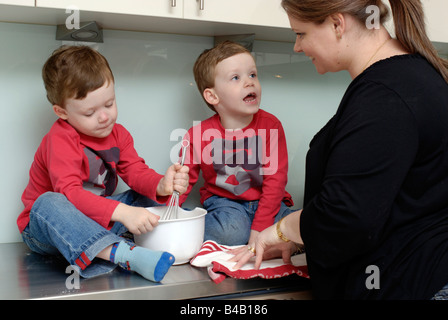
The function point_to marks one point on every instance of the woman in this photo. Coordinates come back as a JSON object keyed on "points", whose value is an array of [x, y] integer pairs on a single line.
{"points": [[375, 214]]}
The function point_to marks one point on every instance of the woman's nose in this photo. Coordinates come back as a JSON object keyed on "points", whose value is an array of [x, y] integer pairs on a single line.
{"points": [[298, 45]]}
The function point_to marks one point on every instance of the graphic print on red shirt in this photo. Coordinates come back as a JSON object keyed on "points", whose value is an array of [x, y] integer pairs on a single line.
{"points": [[102, 171], [238, 166], [249, 164]]}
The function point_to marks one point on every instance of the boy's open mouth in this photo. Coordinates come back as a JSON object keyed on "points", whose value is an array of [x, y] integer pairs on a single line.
{"points": [[251, 97]]}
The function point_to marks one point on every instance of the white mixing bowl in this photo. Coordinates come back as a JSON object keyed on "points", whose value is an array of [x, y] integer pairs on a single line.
{"points": [[181, 237]]}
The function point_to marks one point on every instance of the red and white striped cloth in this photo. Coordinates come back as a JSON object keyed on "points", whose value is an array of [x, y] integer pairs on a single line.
{"points": [[214, 256]]}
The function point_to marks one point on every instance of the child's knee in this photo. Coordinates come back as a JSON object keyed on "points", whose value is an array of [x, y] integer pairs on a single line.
{"points": [[48, 198], [227, 231], [47, 204]]}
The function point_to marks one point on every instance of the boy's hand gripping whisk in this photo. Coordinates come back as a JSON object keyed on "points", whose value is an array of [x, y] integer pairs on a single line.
{"points": [[173, 206]]}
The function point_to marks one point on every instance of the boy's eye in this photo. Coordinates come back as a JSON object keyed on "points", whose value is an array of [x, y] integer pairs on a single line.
{"points": [[300, 35], [89, 113], [235, 78], [253, 75]]}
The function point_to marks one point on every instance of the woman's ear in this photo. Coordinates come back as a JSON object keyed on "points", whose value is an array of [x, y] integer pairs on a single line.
{"points": [[338, 24], [60, 112], [210, 96]]}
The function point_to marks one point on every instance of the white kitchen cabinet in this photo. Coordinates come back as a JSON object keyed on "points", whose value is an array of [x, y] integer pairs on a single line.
{"points": [[436, 24], [29, 3], [248, 12], [157, 8], [265, 18]]}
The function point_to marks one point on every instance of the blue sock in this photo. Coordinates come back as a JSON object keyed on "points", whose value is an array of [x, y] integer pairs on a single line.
{"points": [[152, 265]]}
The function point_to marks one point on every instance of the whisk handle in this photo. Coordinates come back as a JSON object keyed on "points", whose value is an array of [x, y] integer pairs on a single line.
{"points": [[185, 144]]}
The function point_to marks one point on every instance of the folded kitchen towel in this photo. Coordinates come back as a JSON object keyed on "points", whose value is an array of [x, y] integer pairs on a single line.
{"points": [[214, 256]]}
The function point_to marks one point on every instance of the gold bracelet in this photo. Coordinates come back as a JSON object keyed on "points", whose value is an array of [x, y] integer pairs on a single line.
{"points": [[280, 233]]}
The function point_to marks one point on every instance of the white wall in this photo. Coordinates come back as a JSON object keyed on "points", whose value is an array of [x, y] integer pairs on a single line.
{"points": [[156, 94]]}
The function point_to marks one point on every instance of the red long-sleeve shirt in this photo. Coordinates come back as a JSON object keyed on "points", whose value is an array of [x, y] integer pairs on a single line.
{"points": [[85, 169], [249, 164]]}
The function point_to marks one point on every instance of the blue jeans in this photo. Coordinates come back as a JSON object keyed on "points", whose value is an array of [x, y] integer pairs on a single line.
{"points": [[57, 227], [228, 222]]}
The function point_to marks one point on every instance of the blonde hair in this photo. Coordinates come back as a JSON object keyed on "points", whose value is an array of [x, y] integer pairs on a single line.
{"points": [[73, 72], [204, 68], [408, 17]]}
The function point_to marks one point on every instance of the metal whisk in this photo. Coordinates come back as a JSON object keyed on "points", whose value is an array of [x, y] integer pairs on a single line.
{"points": [[173, 206]]}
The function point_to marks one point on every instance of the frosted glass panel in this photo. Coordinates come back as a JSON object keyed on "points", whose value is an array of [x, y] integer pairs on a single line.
{"points": [[156, 94]]}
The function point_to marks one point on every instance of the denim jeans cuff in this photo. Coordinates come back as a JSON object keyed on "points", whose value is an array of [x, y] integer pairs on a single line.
{"points": [[88, 266]]}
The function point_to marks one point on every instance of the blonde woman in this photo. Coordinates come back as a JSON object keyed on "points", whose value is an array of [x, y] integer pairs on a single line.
{"points": [[374, 222]]}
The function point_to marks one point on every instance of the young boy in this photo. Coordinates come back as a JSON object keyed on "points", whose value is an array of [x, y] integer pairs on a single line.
{"points": [[241, 150], [69, 206]]}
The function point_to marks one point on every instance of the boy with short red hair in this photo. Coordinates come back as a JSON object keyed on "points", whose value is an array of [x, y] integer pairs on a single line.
{"points": [[241, 150], [69, 206]]}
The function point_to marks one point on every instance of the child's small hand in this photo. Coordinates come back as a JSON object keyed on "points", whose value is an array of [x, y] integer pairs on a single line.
{"points": [[136, 219], [176, 178]]}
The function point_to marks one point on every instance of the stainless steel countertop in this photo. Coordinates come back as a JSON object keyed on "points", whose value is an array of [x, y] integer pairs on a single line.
{"points": [[27, 275]]}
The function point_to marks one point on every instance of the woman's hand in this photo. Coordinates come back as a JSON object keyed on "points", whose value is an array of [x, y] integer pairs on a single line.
{"points": [[268, 245]]}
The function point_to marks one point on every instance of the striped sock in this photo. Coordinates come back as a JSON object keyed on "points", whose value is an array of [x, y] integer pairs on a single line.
{"points": [[152, 265]]}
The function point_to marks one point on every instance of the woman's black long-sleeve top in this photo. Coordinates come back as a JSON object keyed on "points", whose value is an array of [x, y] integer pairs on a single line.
{"points": [[376, 187]]}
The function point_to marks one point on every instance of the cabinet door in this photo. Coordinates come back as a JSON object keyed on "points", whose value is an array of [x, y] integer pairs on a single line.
{"points": [[29, 3], [251, 12], [159, 8], [436, 26]]}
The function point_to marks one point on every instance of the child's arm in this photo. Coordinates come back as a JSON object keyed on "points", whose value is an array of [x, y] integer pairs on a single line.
{"points": [[139, 220], [144, 180], [136, 219]]}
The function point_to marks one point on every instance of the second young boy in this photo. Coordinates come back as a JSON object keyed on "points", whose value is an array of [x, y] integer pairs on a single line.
{"points": [[241, 150]]}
